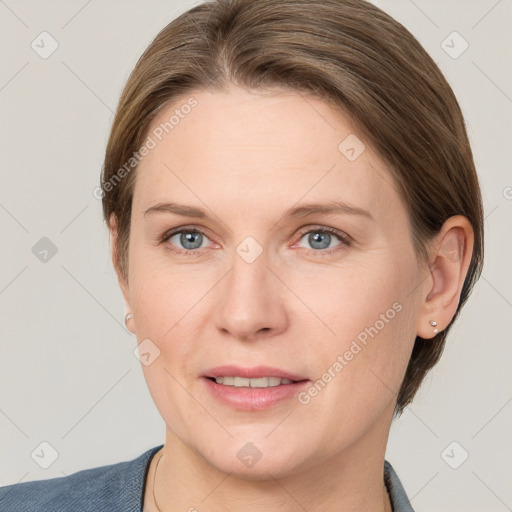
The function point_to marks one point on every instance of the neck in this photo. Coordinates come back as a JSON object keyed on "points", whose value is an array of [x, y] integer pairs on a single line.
{"points": [[348, 481]]}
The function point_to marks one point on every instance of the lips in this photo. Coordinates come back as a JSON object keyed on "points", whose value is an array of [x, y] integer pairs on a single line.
{"points": [[252, 373], [252, 399]]}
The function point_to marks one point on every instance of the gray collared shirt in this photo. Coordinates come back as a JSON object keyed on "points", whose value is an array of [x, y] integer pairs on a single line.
{"points": [[399, 500]]}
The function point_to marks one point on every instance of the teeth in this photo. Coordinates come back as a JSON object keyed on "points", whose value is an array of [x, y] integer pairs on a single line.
{"points": [[263, 382]]}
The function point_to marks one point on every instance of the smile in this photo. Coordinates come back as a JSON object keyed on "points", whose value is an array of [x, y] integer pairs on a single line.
{"points": [[243, 382]]}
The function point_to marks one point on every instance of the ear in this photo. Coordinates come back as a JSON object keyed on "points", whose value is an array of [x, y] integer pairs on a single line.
{"points": [[123, 283], [450, 255]]}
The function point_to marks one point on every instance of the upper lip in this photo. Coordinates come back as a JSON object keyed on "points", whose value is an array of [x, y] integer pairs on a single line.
{"points": [[251, 373]]}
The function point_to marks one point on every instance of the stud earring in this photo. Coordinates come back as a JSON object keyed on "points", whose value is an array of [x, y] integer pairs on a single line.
{"points": [[129, 316], [433, 323]]}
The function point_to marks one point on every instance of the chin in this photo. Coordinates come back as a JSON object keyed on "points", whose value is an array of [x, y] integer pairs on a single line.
{"points": [[263, 470], [261, 459]]}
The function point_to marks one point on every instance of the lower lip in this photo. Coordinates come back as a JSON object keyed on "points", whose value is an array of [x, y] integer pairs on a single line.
{"points": [[254, 399]]}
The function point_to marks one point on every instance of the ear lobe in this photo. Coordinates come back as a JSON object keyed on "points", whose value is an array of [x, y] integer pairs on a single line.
{"points": [[451, 254]]}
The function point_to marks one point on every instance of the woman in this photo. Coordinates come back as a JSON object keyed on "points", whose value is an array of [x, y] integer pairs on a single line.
{"points": [[296, 223]]}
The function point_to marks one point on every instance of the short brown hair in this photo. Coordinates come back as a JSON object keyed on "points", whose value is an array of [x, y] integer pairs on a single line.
{"points": [[348, 53]]}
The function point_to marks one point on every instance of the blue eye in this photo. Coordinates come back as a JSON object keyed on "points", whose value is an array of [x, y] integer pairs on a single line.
{"points": [[320, 239], [190, 240]]}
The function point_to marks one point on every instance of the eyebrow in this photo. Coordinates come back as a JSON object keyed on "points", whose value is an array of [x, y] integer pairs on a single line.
{"points": [[303, 210]]}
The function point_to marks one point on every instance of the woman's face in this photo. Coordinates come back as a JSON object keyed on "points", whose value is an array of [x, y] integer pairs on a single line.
{"points": [[256, 281]]}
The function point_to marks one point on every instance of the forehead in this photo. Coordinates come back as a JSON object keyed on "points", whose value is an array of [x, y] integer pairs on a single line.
{"points": [[259, 148]]}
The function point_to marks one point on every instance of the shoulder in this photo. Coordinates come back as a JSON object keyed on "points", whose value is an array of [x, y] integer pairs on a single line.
{"points": [[106, 488], [397, 494]]}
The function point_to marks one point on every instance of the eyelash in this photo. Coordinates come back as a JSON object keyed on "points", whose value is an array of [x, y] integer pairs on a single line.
{"points": [[343, 237]]}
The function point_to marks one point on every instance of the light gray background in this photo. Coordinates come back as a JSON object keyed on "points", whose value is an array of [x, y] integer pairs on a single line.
{"points": [[68, 375]]}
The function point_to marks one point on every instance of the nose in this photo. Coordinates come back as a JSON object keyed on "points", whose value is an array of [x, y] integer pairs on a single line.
{"points": [[251, 301]]}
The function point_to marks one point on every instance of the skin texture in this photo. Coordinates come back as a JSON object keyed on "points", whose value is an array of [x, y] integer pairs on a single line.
{"points": [[246, 157]]}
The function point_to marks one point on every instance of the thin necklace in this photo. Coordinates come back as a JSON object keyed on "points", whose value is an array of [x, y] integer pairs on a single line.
{"points": [[158, 508], [154, 476]]}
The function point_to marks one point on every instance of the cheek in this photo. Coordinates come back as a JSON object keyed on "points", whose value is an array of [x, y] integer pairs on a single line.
{"points": [[348, 298], [164, 294], [364, 332], [359, 371], [170, 304], [166, 307]]}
